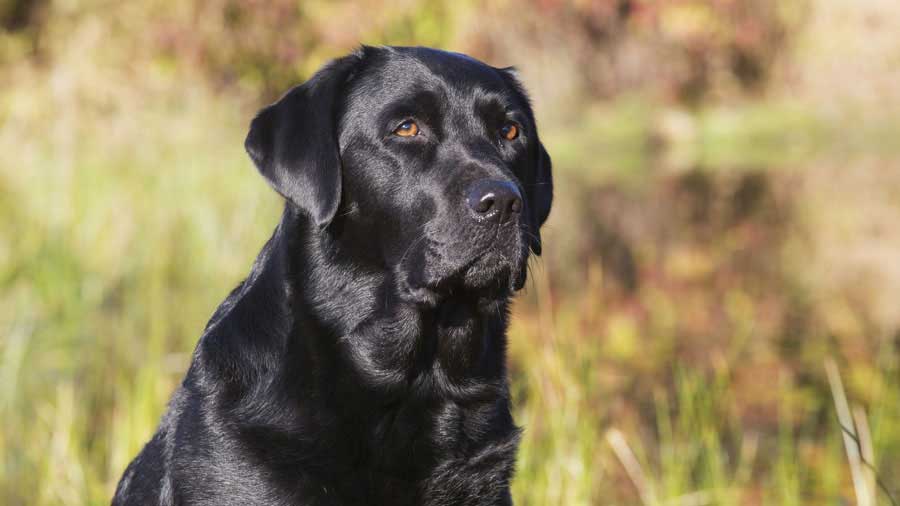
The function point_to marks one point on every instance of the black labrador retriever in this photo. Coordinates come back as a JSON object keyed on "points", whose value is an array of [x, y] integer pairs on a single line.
{"points": [[362, 361]]}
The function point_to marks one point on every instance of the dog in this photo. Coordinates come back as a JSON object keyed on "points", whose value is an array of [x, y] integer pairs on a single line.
{"points": [[362, 361]]}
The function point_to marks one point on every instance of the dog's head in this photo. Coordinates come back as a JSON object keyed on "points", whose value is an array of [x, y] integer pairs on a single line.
{"points": [[427, 163]]}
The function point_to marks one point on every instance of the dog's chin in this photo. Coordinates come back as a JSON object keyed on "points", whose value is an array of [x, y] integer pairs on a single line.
{"points": [[489, 276]]}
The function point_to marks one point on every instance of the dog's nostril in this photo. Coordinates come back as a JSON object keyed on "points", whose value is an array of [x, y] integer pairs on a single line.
{"points": [[485, 204], [516, 205]]}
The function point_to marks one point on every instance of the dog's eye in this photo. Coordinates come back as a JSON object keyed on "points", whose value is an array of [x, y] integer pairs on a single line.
{"points": [[509, 131], [408, 128]]}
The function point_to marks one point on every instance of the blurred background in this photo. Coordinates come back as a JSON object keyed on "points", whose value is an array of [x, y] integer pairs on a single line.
{"points": [[720, 287]]}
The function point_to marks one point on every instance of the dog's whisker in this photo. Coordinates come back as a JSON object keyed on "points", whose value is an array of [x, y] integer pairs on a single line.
{"points": [[411, 246]]}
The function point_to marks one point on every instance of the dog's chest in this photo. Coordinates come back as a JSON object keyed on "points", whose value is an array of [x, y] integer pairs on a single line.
{"points": [[411, 437], [417, 452]]}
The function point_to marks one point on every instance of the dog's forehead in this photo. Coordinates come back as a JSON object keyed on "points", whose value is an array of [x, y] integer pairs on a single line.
{"points": [[452, 67], [397, 72]]}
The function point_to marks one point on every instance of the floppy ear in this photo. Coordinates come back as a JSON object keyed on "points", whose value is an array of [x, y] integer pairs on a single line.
{"points": [[293, 142], [540, 196], [539, 190]]}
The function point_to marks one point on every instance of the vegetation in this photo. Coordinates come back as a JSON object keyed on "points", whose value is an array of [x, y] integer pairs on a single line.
{"points": [[725, 226]]}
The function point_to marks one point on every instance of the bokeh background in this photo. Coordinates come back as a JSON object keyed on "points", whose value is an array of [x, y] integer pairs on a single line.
{"points": [[720, 287]]}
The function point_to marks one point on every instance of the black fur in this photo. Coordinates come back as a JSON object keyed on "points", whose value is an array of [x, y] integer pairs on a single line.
{"points": [[362, 361]]}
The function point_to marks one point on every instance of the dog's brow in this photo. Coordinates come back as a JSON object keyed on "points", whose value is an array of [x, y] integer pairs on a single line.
{"points": [[421, 103], [495, 105], [504, 101]]}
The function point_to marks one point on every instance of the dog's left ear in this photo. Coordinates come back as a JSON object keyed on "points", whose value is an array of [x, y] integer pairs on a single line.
{"points": [[293, 142], [539, 193], [539, 187]]}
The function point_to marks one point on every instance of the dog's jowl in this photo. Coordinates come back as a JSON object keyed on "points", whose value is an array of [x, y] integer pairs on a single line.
{"points": [[362, 361]]}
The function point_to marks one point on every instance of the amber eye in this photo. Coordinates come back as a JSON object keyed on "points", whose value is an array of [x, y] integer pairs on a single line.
{"points": [[509, 131], [408, 128]]}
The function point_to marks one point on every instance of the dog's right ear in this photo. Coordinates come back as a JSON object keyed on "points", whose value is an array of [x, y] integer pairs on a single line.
{"points": [[293, 142]]}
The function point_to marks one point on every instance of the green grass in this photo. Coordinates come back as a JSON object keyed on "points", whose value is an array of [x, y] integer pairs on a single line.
{"points": [[633, 138]]}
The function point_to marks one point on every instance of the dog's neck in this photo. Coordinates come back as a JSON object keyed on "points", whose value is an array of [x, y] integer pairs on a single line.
{"points": [[395, 345], [323, 306]]}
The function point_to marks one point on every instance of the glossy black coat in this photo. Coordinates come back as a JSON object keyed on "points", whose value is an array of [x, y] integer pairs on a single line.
{"points": [[362, 361]]}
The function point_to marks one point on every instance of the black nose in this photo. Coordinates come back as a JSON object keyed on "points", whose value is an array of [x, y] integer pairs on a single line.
{"points": [[494, 200]]}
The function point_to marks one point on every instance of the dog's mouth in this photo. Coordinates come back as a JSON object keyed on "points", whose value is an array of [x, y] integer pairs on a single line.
{"points": [[493, 272], [490, 270]]}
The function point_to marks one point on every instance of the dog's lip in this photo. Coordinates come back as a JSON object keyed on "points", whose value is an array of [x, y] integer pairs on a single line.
{"points": [[504, 277], [506, 272], [444, 281]]}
